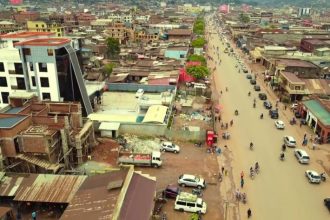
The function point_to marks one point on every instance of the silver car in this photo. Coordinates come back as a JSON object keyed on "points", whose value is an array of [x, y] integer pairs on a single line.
{"points": [[191, 180]]}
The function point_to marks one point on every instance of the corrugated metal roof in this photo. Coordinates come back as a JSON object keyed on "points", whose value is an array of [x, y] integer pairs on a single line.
{"points": [[11, 122], [319, 111], [139, 198], [14, 110], [9, 185], [49, 188], [155, 114], [93, 200]]}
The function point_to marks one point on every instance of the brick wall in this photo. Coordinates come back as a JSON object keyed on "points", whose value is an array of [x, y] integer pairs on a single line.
{"points": [[8, 148], [33, 144]]}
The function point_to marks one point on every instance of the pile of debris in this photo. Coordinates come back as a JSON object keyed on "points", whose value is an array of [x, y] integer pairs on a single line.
{"points": [[139, 145]]}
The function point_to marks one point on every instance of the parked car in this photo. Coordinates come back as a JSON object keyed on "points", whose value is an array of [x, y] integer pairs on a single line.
{"points": [[268, 104], [273, 114], [262, 96], [171, 192], [301, 156], [253, 81], [191, 180], [248, 76], [279, 124], [257, 88], [170, 147], [139, 93], [327, 203], [313, 176], [289, 141], [189, 203]]}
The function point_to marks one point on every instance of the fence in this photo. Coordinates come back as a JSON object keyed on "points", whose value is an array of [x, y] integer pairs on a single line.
{"points": [[133, 87]]}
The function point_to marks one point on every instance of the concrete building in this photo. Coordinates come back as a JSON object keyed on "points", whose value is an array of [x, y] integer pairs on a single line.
{"points": [[48, 67], [119, 31], [179, 34], [45, 136], [46, 26], [24, 16], [9, 26]]}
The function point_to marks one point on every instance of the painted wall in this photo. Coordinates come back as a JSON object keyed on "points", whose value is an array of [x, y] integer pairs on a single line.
{"points": [[175, 54]]}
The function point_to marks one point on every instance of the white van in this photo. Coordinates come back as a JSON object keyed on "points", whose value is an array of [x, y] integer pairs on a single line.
{"points": [[189, 203]]}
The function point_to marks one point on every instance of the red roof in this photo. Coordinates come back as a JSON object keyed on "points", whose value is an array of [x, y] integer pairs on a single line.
{"points": [[193, 63], [44, 42], [26, 34]]}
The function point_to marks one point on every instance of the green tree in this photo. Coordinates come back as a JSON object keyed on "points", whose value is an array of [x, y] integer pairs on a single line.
{"points": [[244, 18], [107, 69], [199, 58], [199, 42], [198, 72], [199, 26], [113, 48]]}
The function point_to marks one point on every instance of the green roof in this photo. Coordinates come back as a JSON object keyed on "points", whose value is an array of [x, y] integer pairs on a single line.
{"points": [[319, 111]]}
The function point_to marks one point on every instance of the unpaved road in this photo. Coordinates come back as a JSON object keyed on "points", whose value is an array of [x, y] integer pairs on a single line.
{"points": [[281, 190]]}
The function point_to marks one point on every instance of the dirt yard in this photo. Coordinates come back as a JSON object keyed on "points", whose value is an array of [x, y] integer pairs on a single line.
{"points": [[191, 160]]}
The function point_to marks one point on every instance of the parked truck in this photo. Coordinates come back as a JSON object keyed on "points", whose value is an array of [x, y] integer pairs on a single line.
{"points": [[140, 159]]}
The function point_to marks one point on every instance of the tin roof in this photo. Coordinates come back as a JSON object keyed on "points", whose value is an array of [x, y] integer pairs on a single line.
{"points": [[319, 111], [25, 34], [139, 199], [9, 184], [44, 42], [96, 198], [49, 188]]}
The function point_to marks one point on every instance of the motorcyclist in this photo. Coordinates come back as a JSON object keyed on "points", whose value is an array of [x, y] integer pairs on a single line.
{"points": [[251, 172], [254, 105], [282, 155], [283, 147], [256, 167], [236, 112], [261, 116], [251, 145], [249, 93]]}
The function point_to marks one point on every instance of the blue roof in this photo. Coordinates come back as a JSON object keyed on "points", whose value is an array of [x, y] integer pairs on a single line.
{"points": [[10, 122], [14, 110]]}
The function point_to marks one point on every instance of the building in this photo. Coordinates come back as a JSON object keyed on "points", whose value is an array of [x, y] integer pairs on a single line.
{"points": [[179, 34], [123, 17], [119, 31], [316, 112], [24, 16], [303, 12], [311, 44], [46, 136], [146, 34], [179, 53], [8, 26], [46, 26], [48, 67], [292, 86]]}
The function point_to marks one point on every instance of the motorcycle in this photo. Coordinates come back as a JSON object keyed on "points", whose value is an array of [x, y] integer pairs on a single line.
{"points": [[244, 198], [261, 116], [283, 147], [251, 174], [293, 121], [251, 146], [226, 135], [249, 94], [197, 192], [236, 112], [254, 105], [323, 177], [282, 156]]}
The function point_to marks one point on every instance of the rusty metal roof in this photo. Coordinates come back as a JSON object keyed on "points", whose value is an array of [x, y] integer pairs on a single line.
{"points": [[139, 198], [9, 184], [49, 188], [93, 200]]}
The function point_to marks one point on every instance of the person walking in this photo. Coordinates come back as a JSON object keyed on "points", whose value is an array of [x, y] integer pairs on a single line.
{"points": [[222, 169], [242, 175], [249, 213], [242, 182]]}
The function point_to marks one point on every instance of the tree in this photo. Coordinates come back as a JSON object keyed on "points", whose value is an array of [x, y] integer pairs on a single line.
{"points": [[113, 48], [107, 69], [199, 58], [199, 42], [198, 72], [244, 18], [199, 26]]}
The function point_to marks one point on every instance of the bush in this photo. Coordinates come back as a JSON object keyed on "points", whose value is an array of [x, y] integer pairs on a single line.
{"points": [[198, 72], [199, 42]]}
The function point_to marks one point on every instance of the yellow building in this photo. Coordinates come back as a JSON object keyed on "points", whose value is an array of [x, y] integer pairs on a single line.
{"points": [[46, 26]]}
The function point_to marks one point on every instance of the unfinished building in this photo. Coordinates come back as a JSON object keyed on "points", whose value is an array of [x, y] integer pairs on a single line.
{"points": [[43, 137]]}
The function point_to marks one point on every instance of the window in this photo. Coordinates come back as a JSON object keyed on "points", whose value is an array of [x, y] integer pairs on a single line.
{"points": [[42, 67], [50, 52], [33, 80], [4, 96], [2, 67], [190, 204], [42, 25], [31, 66], [36, 25], [18, 68], [45, 95], [20, 83], [180, 203], [26, 51], [44, 82], [3, 82]]}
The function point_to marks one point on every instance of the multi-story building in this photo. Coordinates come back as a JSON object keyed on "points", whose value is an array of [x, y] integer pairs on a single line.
{"points": [[120, 31], [8, 26], [146, 34], [118, 16], [24, 16], [49, 67], [46, 26]]}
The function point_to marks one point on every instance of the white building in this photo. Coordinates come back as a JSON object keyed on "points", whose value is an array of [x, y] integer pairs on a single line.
{"points": [[124, 17], [304, 11], [39, 63]]}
